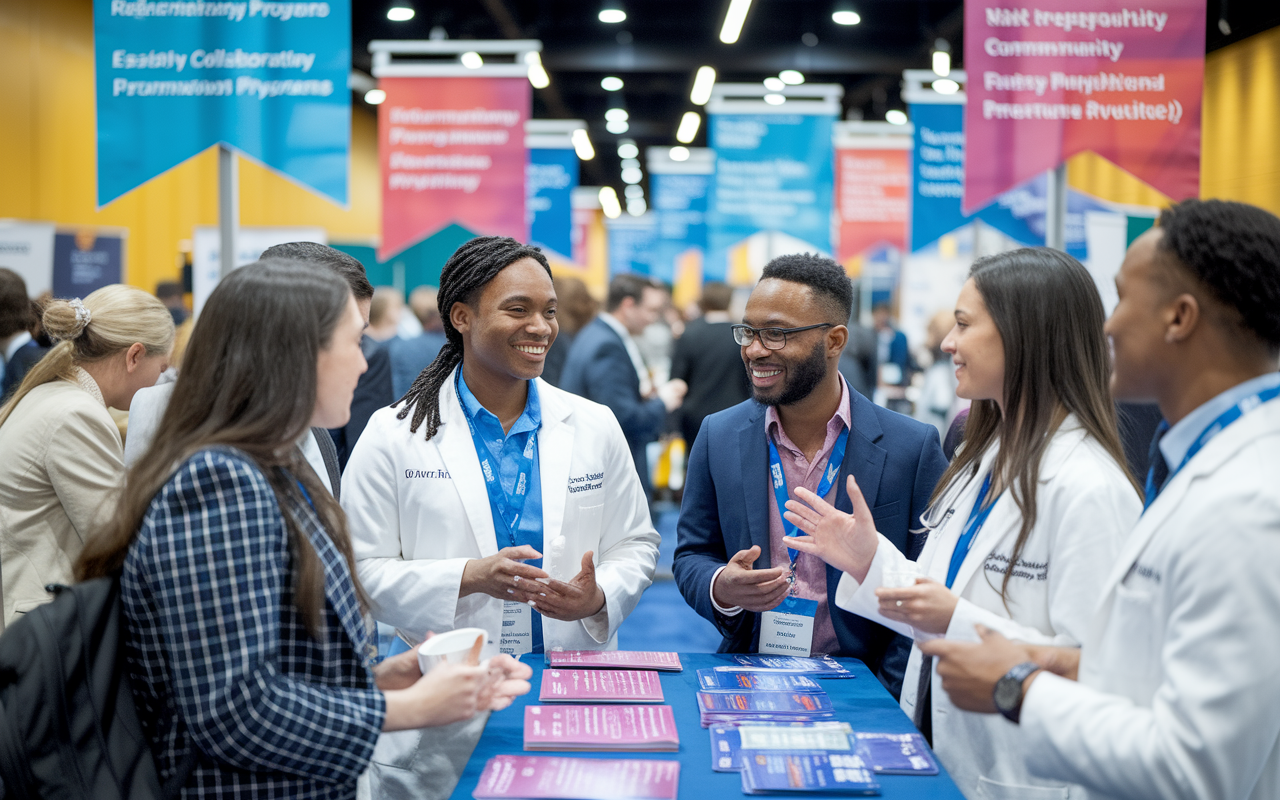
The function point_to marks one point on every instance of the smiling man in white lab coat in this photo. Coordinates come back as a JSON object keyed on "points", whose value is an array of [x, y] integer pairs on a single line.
{"points": [[490, 498], [1173, 694]]}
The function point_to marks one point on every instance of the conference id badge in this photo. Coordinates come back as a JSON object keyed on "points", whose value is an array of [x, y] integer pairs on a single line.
{"points": [[788, 629], [517, 629]]}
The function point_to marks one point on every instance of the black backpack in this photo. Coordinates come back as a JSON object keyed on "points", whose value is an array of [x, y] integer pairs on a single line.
{"points": [[68, 724]]}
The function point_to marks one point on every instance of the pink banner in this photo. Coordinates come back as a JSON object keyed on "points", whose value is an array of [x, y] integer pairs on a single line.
{"points": [[452, 151], [1122, 79], [872, 193]]}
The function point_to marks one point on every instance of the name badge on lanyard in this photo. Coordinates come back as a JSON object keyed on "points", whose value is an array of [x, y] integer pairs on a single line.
{"points": [[788, 629], [517, 629]]}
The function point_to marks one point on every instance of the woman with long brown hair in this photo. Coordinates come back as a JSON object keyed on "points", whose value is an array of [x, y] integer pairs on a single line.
{"points": [[63, 459], [1026, 522], [246, 640]]}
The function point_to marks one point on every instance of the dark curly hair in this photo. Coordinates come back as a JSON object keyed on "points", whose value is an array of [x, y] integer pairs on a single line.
{"points": [[827, 279], [464, 276], [1233, 251]]}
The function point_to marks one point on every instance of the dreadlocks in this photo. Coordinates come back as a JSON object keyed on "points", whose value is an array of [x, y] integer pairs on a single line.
{"points": [[464, 276]]}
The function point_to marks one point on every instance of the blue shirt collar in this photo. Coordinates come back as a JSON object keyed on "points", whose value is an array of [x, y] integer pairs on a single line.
{"points": [[530, 419], [1180, 437]]}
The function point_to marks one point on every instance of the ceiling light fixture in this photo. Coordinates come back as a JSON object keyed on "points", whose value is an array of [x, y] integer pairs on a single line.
{"points": [[400, 12], [471, 60], [609, 202], [637, 206], [688, 127], [733, 20], [845, 16], [617, 126], [612, 13], [628, 149], [631, 163], [945, 86], [774, 99], [616, 115], [633, 191], [679, 153], [611, 84], [702, 83], [632, 175], [537, 73], [582, 144], [895, 117], [375, 97], [791, 77], [941, 58], [774, 84]]}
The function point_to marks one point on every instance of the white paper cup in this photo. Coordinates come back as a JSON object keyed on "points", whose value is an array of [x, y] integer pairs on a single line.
{"points": [[903, 578], [452, 647]]}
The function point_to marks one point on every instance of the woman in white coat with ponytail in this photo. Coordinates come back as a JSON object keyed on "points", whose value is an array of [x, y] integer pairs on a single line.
{"points": [[1026, 522]]}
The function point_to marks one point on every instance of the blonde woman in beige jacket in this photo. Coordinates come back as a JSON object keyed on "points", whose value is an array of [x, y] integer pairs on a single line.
{"points": [[63, 461]]}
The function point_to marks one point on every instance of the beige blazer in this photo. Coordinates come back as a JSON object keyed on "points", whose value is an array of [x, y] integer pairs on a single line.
{"points": [[61, 472]]}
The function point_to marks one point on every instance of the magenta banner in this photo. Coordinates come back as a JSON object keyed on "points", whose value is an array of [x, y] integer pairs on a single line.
{"points": [[1124, 80]]}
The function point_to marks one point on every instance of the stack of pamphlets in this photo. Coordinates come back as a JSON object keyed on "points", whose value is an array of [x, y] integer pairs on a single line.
{"points": [[746, 680], [822, 667], [613, 659], [559, 778], [745, 707], [613, 728], [898, 753], [765, 772], [600, 686], [726, 740]]}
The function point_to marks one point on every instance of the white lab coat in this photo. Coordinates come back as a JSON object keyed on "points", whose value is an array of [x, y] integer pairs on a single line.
{"points": [[1177, 695], [1085, 506], [418, 512]]}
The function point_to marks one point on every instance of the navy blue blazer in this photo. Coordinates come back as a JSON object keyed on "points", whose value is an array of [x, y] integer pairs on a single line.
{"points": [[896, 460], [599, 369]]}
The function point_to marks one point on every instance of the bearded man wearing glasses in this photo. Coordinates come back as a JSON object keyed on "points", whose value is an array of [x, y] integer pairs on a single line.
{"points": [[804, 426]]}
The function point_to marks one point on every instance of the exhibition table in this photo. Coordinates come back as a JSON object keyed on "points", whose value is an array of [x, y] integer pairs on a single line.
{"points": [[860, 701]]}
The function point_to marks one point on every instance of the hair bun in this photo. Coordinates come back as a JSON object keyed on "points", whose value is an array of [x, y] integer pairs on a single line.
{"points": [[65, 320]]}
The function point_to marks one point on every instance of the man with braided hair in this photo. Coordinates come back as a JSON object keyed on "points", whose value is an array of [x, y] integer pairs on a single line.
{"points": [[487, 497]]}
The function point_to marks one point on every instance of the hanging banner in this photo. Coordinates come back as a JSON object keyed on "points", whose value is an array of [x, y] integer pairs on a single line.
{"points": [[679, 191], [1048, 82], [551, 177], [631, 243], [772, 191], [873, 177], [268, 79], [86, 260], [452, 151]]}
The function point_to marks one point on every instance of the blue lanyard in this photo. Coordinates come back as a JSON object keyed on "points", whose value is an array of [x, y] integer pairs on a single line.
{"points": [[305, 493], [780, 487], [510, 507], [977, 517], [1219, 425]]}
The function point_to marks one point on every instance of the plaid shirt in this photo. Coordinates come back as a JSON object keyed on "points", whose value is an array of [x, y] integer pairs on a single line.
{"points": [[219, 657]]}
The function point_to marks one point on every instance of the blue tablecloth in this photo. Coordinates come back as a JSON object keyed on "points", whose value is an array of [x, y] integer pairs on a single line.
{"points": [[861, 701]]}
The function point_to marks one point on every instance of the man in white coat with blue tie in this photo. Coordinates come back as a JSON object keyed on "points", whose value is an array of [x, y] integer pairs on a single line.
{"points": [[492, 499], [1173, 694]]}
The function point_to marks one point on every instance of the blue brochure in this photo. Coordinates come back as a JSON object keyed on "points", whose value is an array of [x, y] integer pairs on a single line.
{"points": [[898, 753], [847, 774], [822, 667], [745, 680], [726, 739]]}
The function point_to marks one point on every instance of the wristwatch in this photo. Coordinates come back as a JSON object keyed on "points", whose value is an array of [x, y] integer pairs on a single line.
{"points": [[1008, 692]]}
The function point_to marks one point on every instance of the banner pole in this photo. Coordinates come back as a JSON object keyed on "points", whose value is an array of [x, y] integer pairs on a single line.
{"points": [[228, 208], [1055, 218]]}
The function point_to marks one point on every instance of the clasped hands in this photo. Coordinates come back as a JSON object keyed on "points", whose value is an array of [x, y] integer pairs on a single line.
{"points": [[505, 576]]}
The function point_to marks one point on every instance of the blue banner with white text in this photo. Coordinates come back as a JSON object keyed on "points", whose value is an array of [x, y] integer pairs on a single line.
{"points": [[774, 180], [266, 78], [680, 203], [552, 175]]}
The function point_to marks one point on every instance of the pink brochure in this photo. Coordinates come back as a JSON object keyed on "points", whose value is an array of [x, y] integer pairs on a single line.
{"points": [[642, 729], [600, 686], [614, 659], [557, 778]]}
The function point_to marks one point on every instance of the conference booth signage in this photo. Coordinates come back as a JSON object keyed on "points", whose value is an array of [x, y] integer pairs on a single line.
{"points": [[268, 79], [550, 178], [1049, 81], [679, 190]]}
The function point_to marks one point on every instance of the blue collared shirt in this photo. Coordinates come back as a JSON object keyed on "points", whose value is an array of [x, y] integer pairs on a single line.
{"points": [[1178, 440], [506, 449]]}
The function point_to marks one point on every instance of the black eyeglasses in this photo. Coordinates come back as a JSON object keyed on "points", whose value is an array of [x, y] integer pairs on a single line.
{"points": [[771, 338]]}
